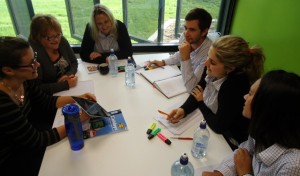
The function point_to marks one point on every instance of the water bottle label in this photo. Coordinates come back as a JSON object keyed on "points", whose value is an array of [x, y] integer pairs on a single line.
{"points": [[200, 145]]}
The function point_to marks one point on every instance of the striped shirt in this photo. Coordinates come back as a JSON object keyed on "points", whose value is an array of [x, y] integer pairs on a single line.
{"points": [[15, 130], [191, 69], [274, 160]]}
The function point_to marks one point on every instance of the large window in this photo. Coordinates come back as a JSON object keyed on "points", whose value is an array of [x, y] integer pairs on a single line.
{"points": [[149, 22]]}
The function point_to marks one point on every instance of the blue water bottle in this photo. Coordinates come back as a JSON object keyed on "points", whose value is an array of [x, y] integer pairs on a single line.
{"points": [[73, 126]]}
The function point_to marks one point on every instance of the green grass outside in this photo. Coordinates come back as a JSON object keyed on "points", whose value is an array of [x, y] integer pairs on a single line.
{"points": [[142, 14]]}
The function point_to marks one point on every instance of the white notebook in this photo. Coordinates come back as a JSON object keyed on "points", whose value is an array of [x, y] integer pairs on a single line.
{"points": [[168, 80], [171, 87]]}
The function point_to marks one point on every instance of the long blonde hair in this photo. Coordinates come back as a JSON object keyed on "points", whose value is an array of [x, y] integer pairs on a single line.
{"points": [[101, 9], [234, 52]]}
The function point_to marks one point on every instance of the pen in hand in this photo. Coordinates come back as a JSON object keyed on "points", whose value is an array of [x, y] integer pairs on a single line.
{"points": [[164, 113]]}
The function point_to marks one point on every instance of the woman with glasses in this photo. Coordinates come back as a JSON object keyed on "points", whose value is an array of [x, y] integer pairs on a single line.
{"points": [[103, 33], [54, 53], [22, 143]]}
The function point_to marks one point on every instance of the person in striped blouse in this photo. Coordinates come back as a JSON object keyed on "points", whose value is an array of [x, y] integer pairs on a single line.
{"points": [[22, 143], [273, 146]]}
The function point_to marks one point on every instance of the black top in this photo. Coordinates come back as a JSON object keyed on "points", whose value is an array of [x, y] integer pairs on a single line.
{"points": [[124, 42], [228, 119]]}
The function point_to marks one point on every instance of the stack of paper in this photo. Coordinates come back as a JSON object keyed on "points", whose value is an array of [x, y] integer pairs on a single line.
{"points": [[185, 123]]}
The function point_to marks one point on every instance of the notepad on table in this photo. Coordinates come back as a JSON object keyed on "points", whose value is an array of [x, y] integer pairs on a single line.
{"points": [[168, 80], [185, 123]]}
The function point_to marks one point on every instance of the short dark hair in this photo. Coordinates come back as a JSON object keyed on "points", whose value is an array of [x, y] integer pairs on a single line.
{"points": [[12, 49], [204, 18], [275, 111]]}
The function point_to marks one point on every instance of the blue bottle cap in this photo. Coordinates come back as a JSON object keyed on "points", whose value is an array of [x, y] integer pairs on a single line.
{"points": [[70, 109], [184, 159], [203, 124]]}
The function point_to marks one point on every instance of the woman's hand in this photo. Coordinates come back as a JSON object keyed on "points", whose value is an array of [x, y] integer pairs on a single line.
{"points": [[72, 81], [88, 96], [197, 92], [95, 55], [242, 161], [176, 115]]}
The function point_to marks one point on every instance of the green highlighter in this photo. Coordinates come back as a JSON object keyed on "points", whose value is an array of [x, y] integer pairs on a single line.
{"points": [[154, 133]]}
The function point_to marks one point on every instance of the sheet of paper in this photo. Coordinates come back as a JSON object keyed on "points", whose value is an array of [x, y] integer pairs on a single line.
{"points": [[178, 128], [81, 88]]}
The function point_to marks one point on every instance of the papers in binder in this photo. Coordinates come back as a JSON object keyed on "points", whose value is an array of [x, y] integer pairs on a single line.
{"points": [[183, 124], [168, 80], [171, 87]]}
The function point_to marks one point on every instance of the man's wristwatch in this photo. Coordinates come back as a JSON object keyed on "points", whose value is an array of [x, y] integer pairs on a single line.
{"points": [[163, 61]]}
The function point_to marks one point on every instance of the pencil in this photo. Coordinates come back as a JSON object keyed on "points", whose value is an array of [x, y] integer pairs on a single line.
{"points": [[163, 113], [182, 138]]}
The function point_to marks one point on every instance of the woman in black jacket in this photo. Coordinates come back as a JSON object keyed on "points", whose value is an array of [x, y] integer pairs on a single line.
{"points": [[103, 33], [231, 68]]}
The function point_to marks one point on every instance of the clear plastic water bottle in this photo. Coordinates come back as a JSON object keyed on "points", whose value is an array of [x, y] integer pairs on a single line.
{"points": [[73, 126], [200, 141], [113, 63], [129, 73], [182, 167]]}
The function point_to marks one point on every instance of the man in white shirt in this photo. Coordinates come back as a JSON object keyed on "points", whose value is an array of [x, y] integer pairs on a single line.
{"points": [[193, 47]]}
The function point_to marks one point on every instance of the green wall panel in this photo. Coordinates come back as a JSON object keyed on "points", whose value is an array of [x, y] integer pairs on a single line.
{"points": [[274, 25]]}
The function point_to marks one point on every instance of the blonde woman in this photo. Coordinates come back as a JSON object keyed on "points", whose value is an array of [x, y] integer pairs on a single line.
{"points": [[103, 33], [231, 67]]}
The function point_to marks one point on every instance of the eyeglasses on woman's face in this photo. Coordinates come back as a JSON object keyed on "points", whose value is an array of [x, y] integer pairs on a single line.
{"points": [[32, 64], [53, 37]]}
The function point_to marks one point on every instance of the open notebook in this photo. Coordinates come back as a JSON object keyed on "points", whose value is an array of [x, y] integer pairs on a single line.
{"points": [[168, 80]]}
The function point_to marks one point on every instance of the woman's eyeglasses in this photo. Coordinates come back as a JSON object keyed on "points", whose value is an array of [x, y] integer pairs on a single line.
{"points": [[32, 64], [50, 39]]}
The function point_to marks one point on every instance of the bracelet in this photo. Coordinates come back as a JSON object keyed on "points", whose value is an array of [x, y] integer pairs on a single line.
{"points": [[163, 61]]}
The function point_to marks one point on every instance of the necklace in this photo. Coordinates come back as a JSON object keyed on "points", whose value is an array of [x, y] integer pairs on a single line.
{"points": [[17, 95]]}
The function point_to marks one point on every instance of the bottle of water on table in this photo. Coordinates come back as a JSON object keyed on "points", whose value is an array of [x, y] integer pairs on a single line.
{"points": [[200, 141], [113, 63], [129, 73], [73, 126], [182, 167]]}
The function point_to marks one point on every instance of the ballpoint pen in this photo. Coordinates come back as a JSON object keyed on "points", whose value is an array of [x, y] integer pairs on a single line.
{"points": [[164, 113], [182, 138], [154, 133], [163, 138], [151, 128]]}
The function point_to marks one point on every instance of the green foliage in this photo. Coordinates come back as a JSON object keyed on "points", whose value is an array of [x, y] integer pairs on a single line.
{"points": [[142, 14]]}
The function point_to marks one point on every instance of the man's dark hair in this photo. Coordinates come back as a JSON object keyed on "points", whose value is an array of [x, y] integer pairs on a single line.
{"points": [[203, 17]]}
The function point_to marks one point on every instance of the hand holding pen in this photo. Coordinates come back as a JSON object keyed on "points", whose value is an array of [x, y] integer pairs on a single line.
{"points": [[175, 116]]}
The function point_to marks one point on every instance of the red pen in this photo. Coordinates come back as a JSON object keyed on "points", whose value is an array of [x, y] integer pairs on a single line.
{"points": [[182, 138], [163, 138]]}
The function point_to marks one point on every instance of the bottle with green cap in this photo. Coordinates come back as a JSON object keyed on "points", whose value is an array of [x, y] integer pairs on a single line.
{"points": [[182, 167]]}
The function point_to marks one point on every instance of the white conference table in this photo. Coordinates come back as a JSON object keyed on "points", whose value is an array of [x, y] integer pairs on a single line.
{"points": [[130, 152]]}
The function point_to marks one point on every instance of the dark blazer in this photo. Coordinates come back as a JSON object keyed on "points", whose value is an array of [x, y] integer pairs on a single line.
{"points": [[228, 119], [47, 77], [88, 43]]}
